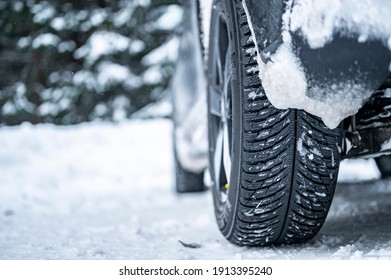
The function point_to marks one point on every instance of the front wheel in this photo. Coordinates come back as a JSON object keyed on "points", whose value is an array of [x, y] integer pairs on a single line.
{"points": [[274, 171]]}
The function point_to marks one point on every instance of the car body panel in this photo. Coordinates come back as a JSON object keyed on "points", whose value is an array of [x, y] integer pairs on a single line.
{"points": [[188, 88], [346, 66]]}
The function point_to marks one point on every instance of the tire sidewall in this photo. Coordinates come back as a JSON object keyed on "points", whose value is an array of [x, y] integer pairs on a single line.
{"points": [[226, 211]]}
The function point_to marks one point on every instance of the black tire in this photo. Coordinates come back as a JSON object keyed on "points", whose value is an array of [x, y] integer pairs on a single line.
{"points": [[283, 164], [384, 165]]}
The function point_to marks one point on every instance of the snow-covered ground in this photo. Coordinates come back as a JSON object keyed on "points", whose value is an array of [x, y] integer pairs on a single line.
{"points": [[105, 191]]}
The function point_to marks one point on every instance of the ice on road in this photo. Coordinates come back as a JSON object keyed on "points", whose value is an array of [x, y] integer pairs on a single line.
{"points": [[106, 191]]}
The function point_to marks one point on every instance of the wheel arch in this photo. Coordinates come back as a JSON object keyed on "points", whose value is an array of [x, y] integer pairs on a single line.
{"points": [[345, 58]]}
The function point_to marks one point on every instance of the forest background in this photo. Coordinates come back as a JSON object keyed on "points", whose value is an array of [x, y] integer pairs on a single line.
{"points": [[67, 62]]}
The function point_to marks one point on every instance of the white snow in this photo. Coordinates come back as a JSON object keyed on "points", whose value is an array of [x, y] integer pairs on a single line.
{"points": [[23, 42], [387, 93], [43, 12], [105, 191], [19, 100], [108, 73], [160, 109], [386, 145], [206, 14], [98, 17], [58, 23], [84, 77], [318, 21], [112, 73], [171, 18], [18, 6], [166, 52], [54, 101], [153, 75], [8, 108], [46, 39], [102, 43], [66, 46], [254, 95], [358, 170], [284, 79]]}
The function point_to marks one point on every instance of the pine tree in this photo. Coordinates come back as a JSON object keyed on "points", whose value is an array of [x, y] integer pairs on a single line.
{"points": [[67, 62]]}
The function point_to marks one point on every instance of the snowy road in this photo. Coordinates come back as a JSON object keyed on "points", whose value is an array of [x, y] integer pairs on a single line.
{"points": [[104, 191]]}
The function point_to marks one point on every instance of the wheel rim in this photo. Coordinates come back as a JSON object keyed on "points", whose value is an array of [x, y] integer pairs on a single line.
{"points": [[220, 108]]}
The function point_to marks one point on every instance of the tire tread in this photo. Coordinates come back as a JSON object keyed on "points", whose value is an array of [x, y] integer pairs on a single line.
{"points": [[286, 202]]}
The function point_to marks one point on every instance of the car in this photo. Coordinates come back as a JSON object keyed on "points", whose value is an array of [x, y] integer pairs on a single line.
{"points": [[269, 97]]}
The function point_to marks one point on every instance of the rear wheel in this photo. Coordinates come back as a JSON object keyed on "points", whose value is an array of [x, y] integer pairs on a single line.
{"points": [[274, 171], [384, 165]]}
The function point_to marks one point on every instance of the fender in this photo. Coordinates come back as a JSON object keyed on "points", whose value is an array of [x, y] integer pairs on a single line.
{"points": [[344, 58]]}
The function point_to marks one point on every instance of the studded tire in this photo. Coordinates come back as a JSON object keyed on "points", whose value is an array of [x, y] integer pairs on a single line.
{"points": [[274, 171]]}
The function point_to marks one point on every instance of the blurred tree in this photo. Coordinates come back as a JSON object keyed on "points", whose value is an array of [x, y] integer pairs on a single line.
{"points": [[72, 61]]}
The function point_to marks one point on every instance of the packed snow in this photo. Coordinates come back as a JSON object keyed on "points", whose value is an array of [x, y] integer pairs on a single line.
{"points": [[318, 23], [106, 191]]}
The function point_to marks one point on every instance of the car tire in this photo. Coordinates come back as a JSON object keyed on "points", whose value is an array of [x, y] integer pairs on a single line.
{"points": [[274, 171], [384, 165]]}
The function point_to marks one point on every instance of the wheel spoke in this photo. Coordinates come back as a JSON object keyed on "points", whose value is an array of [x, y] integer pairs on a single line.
{"points": [[218, 153], [227, 98], [219, 67], [220, 71], [227, 83], [226, 152], [226, 116], [215, 102]]}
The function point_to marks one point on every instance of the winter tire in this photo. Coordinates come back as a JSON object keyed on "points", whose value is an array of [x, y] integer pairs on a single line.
{"points": [[274, 171], [384, 165]]}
